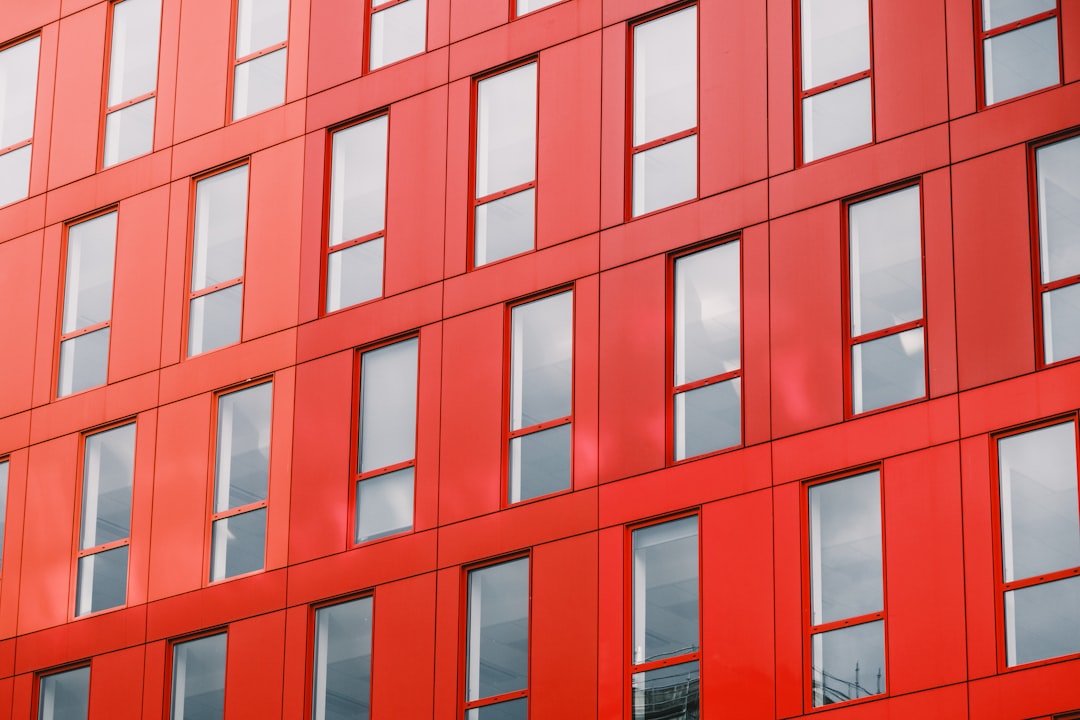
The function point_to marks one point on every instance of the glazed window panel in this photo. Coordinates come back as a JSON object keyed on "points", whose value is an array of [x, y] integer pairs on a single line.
{"points": [[133, 56], [18, 98], [262, 31], [497, 652], [198, 679], [1019, 47], [398, 31], [341, 676], [1058, 203], [64, 695]]}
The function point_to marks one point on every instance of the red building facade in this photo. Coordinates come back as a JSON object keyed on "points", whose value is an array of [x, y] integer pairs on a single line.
{"points": [[525, 359]]}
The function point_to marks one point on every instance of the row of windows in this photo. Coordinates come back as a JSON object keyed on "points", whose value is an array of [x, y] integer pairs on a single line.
{"points": [[1038, 598], [1020, 54]]}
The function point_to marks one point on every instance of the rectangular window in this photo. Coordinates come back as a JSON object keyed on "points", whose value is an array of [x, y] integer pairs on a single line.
{"points": [[341, 674], [64, 695], [198, 679], [1039, 593], [1019, 47], [665, 668], [886, 332], [105, 524], [262, 35], [541, 399], [847, 606], [663, 144], [504, 206], [217, 261], [88, 291], [707, 384], [241, 482], [18, 98], [386, 446], [133, 57], [1057, 169], [356, 228], [836, 94], [397, 29], [497, 655]]}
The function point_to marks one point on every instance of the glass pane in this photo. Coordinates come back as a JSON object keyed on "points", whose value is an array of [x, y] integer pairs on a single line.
{"points": [[665, 175], [108, 471], [845, 548], [887, 371], [341, 679], [102, 581], [849, 663], [996, 13], [242, 465], [15, 175], [134, 56], [259, 84], [354, 275], [214, 320], [665, 590], [89, 278], [84, 362], [388, 405], [398, 32], [1040, 527], [384, 505], [542, 360], [1042, 621], [198, 679], [504, 227], [835, 40], [260, 24], [837, 120], [1061, 323], [1059, 209], [540, 463], [3, 503], [707, 313], [18, 90], [527, 6], [513, 710], [358, 185], [220, 227], [708, 419], [670, 693], [885, 246], [129, 132], [1021, 61], [665, 76], [498, 642], [239, 545], [65, 695], [506, 130]]}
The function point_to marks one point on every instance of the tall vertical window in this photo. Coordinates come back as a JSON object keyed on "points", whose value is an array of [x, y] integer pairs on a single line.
{"points": [[241, 481], [836, 95], [386, 451], [18, 96], [1039, 521], [497, 655], [64, 695], [847, 606], [663, 145], [1019, 47], [504, 212], [541, 398], [707, 390], [666, 670], [1057, 168], [198, 679], [88, 290], [133, 57], [885, 300], [356, 228], [3, 504], [262, 35], [217, 261], [397, 30], [341, 674], [105, 525]]}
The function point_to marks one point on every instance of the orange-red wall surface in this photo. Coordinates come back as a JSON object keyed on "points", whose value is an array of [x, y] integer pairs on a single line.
{"points": [[984, 374]]}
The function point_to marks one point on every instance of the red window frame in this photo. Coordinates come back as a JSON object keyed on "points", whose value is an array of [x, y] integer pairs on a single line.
{"points": [[30, 140], [42, 674], [982, 36], [850, 341], [1001, 586], [236, 62], [371, 10], [170, 657], [882, 615], [313, 629], [107, 109], [514, 14], [631, 149]]}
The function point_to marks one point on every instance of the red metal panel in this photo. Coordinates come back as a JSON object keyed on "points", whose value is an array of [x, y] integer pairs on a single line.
{"points": [[1070, 41], [458, 149], [613, 99], [23, 217], [338, 55], [1011, 123], [791, 677], [1021, 400], [781, 84], [586, 381], [168, 49], [940, 291], [142, 507], [202, 67], [7, 688], [253, 670], [49, 309], [755, 335], [1028, 693], [982, 621], [404, 648], [612, 653], [281, 469], [22, 17], [20, 277], [296, 698], [299, 54], [448, 648], [426, 497], [217, 605], [115, 684], [45, 110], [312, 244], [22, 695], [13, 543], [477, 16], [155, 687]]}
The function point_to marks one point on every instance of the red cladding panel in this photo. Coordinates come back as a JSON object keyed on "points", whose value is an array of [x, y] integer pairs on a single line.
{"points": [[21, 17], [586, 381], [338, 55], [312, 243], [788, 528], [404, 648], [295, 696], [253, 669], [112, 691], [281, 469], [448, 619], [142, 507], [940, 289], [20, 276], [782, 80], [459, 146], [979, 557], [755, 335], [613, 100], [1070, 40], [13, 541], [155, 688], [426, 500], [203, 67], [1036, 691], [613, 656], [477, 16]]}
